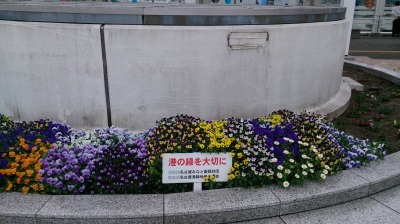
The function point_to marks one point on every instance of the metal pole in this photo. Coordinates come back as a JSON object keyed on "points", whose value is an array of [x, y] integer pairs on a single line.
{"points": [[378, 14]]}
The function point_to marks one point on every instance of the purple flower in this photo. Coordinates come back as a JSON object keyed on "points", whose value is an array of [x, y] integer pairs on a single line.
{"points": [[59, 185], [81, 179], [71, 187]]}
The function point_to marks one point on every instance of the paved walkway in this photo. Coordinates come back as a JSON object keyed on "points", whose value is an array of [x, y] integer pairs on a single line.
{"points": [[382, 208]]}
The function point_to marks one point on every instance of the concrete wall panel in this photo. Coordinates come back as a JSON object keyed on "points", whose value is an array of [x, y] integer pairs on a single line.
{"points": [[52, 71], [160, 71]]}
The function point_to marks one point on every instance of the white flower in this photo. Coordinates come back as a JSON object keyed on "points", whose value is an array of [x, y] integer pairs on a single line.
{"points": [[287, 171], [286, 184], [276, 143], [311, 170], [304, 173], [310, 165], [320, 156], [297, 176], [327, 167], [319, 136], [323, 176], [279, 175], [280, 167], [286, 139], [304, 166], [286, 152], [273, 160], [291, 140], [325, 172], [291, 160], [305, 156]]}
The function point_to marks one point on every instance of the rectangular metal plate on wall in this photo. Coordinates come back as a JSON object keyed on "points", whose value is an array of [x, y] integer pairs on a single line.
{"points": [[247, 40]]}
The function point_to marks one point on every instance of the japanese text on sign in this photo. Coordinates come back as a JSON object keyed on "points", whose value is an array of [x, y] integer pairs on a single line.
{"points": [[195, 167]]}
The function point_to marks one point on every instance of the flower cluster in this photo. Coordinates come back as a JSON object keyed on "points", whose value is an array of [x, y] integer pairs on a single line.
{"points": [[22, 172], [67, 168], [356, 152], [284, 148], [120, 166]]}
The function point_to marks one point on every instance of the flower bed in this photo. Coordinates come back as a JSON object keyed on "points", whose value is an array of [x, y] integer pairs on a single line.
{"points": [[283, 148]]}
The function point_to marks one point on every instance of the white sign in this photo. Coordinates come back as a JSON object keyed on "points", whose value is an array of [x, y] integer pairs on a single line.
{"points": [[194, 167]]}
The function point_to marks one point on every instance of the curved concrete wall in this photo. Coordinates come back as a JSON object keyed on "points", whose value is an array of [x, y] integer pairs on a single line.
{"points": [[55, 71]]}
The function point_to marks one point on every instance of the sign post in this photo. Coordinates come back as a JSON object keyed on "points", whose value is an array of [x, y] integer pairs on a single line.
{"points": [[195, 168]]}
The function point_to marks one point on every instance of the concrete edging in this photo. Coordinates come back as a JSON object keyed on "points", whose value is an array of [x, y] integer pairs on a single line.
{"points": [[375, 71]]}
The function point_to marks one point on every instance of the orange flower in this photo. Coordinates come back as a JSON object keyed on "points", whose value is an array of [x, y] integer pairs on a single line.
{"points": [[24, 156], [25, 146], [26, 181], [35, 187], [43, 149], [25, 190], [9, 186], [11, 154], [13, 171], [4, 155], [34, 149], [38, 141], [37, 166], [20, 174], [29, 173], [38, 177], [14, 165], [41, 186], [17, 158], [25, 165], [21, 140], [2, 172], [18, 181]]}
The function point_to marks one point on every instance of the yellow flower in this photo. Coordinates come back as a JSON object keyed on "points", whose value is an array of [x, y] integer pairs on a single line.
{"points": [[236, 165], [240, 155], [237, 173], [245, 162], [232, 169], [231, 176], [206, 178], [232, 154], [212, 177]]}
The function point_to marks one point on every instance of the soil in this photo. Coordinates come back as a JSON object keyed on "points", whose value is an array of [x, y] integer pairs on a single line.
{"points": [[371, 114]]}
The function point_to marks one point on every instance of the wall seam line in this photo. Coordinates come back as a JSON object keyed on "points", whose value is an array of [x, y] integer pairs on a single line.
{"points": [[105, 72]]}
